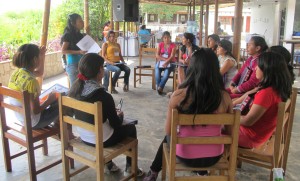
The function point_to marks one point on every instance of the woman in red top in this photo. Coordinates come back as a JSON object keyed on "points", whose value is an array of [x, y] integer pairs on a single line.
{"points": [[258, 125]]}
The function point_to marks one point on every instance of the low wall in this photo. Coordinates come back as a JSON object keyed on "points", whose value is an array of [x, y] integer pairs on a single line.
{"points": [[53, 67]]}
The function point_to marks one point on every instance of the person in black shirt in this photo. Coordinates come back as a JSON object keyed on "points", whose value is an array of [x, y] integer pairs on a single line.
{"points": [[87, 88]]}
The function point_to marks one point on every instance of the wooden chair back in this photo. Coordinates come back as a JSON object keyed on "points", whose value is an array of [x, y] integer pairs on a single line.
{"points": [[274, 153], [230, 141], [100, 154], [147, 53], [11, 130]]}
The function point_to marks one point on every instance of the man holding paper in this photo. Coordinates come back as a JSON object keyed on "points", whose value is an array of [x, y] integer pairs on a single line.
{"points": [[111, 52], [165, 55]]}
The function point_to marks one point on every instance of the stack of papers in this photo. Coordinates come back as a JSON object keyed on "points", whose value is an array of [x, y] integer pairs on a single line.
{"points": [[88, 44]]}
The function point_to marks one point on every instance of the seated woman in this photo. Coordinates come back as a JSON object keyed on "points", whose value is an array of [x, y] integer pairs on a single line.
{"points": [[287, 57], [111, 52], [245, 79], [196, 96], [165, 55], [86, 88], [185, 55], [228, 65], [213, 41], [275, 85], [29, 61], [144, 36]]}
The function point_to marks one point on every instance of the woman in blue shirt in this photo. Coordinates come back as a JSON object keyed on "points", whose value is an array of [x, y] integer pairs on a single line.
{"points": [[69, 40]]}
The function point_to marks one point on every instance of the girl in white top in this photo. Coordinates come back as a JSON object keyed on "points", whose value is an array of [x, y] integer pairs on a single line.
{"points": [[228, 65]]}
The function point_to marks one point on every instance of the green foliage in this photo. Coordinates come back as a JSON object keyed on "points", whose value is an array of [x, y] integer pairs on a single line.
{"points": [[17, 28], [163, 11], [20, 28]]}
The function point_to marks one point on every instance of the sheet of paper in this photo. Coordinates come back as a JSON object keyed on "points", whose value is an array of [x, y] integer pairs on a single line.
{"points": [[161, 63], [88, 44], [55, 88]]}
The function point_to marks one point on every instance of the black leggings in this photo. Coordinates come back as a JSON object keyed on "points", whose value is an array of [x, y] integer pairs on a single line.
{"points": [[119, 134], [198, 162]]}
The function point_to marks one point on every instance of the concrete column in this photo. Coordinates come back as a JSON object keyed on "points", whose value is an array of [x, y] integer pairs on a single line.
{"points": [[289, 21]]}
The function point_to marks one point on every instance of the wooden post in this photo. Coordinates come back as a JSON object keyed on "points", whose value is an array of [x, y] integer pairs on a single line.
{"points": [[44, 35], [238, 19], [117, 28], [194, 17], [216, 16], [201, 23], [86, 17], [206, 21]]}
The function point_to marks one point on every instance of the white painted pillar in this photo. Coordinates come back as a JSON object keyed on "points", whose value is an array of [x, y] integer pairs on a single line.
{"points": [[146, 18], [289, 21], [276, 30]]}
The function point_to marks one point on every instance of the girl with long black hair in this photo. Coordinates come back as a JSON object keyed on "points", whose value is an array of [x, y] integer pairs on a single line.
{"points": [[202, 92], [70, 38]]}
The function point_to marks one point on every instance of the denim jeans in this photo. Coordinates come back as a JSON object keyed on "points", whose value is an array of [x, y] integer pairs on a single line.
{"points": [[106, 79], [117, 71], [162, 80], [72, 71]]}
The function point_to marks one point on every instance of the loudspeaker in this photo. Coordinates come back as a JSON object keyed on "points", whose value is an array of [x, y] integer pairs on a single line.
{"points": [[126, 10]]}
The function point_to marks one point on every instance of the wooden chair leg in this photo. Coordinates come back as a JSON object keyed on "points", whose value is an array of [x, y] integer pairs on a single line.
{"points": [[110, 82], [6, 152], [134, 78], [31, 160], [71, 160], [45, 146], [66, 169], [134, 167], [153, 80], [164, 169], [238, 163], [140, 77]]}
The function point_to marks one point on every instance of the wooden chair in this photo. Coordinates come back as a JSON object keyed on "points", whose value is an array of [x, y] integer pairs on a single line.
{"points": [[274, 153], [148, 53], [224, 164], [145, 53], [110, 81], [100, 155], [23, 135]]}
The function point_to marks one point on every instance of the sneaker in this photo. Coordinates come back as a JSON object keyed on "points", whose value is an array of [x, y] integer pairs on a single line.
{"points": [[111, 167], [125, 88], [114, 91], [139, 172], [159, 90], [151, 176]]}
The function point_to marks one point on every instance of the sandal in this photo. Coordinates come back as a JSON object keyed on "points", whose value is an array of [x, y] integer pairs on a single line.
{"points": [[125, 88]]}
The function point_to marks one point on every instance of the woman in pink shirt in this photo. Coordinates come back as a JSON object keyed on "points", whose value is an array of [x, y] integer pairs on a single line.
{"points": [[202, 92], [245, 79]]}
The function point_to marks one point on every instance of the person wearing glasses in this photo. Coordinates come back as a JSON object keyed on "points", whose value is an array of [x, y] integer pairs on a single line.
{"points": [[111, 52]]}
